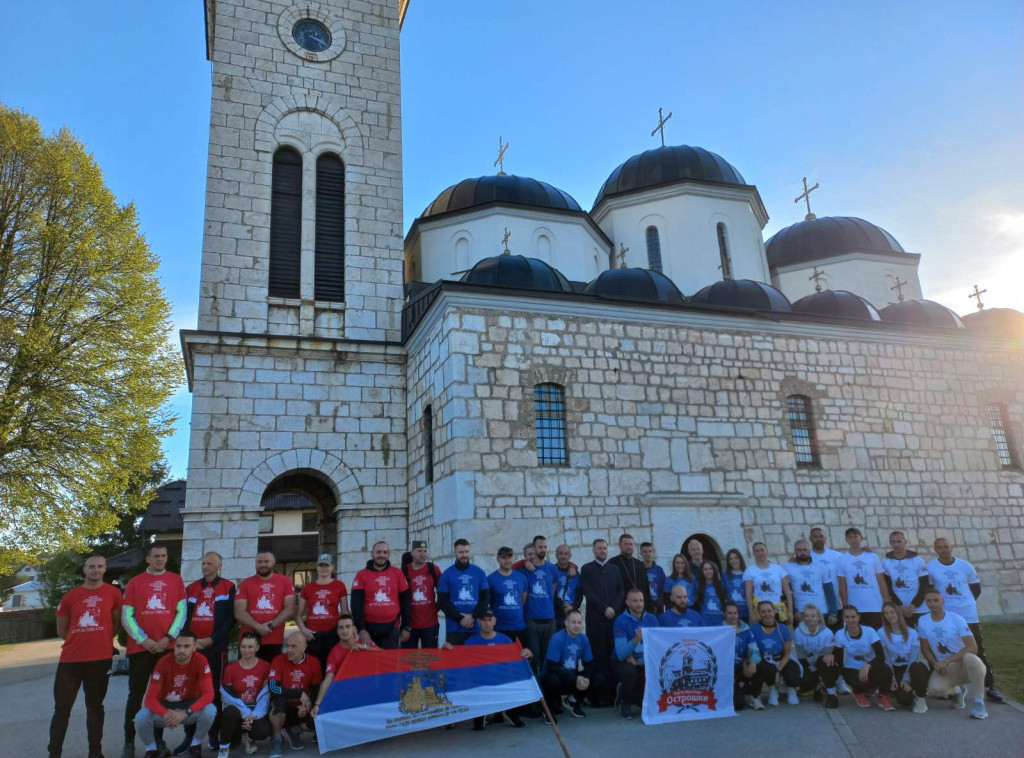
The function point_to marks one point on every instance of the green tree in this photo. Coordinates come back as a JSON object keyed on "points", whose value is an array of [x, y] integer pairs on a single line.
{"points": [[85, 361], [60, 574]]}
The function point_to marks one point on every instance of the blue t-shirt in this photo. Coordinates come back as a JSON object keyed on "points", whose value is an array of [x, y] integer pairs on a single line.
{"points": [[540, 583], [463, 588], [566, 587], [623, 630], [691, 588], [507, 600], [477, 639], [690, 618], [656, 578], [771, 645], [746, 646], [711, 608], [735, 590], [568, 651]]}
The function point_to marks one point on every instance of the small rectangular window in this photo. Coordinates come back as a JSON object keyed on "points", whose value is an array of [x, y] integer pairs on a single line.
{"points": [[549, 406], [428, 444], [266, 523], [18, 601], [309, 522], [302, 577], [1003, 436], [801, 427]]}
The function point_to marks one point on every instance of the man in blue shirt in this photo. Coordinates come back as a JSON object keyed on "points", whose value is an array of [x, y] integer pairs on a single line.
{"points": [[508, 594], [540, 601], [567, 585], [561, 678], [628, 664], [462, 593], [680, 614], [655, 576]]}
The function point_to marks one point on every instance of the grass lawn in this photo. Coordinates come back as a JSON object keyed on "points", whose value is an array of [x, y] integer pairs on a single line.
{"points": [[1003, 646]]}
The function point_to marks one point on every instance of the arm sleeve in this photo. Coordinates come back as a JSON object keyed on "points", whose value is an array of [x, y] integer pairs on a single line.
{"points": [[405, 606], [589, 591], [838, 652], [444, 602], [131, 625], [924, 584], [179, 622], [754, 652], [205, 693], [892, 593], [619, 593], [262, 703], [226, 698], [358, 597], [484, 599], [830, 599], [225, 621], [152, 699], [879, 652], [975, 589]]}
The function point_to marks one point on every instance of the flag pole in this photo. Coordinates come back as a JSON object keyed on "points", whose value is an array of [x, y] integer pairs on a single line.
{"points": [[558, 734]]}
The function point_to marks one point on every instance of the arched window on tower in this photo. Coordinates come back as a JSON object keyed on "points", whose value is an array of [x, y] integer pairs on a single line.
{"points": [[549, 412], [1003, 437], [801, 429], [285, 224], [723, 252], [329, 247], [653, 249], [428, 444]]}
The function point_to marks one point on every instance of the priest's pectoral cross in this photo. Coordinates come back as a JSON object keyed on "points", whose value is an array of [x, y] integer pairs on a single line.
{"points": [[977, 294], [806, 197], [500, 160], [817, 277], [661, 125], [622, 255], [898, 286]]}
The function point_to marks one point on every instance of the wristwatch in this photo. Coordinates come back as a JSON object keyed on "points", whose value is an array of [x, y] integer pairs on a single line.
{"points": [[270, 625], [189, 711], [169, 637]]}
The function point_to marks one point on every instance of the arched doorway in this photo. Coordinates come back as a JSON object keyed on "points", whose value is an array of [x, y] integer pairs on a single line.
{"points": [[298, 523], [712, 550]]}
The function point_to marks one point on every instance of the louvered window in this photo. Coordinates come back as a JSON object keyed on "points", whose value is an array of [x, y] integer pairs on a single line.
{"points": [[653, 249], [329, 257], [285, 224], [1002, 436], [723, 253]]}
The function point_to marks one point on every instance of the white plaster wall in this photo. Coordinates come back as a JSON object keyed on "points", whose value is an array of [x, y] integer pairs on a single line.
{"points": [[870, 276]]}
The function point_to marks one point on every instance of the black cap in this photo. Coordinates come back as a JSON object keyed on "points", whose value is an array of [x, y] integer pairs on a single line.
{"points": [[418, 544], [485, 612], [505, 550]]}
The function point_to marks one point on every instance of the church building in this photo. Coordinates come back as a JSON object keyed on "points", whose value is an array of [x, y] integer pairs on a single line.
{"points": [[517, 365]]}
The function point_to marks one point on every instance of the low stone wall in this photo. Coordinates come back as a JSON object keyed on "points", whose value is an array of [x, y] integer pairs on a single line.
{"points": [[25, 626]]}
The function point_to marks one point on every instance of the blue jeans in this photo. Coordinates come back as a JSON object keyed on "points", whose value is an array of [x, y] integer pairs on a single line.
{"points": [[146, 723]]}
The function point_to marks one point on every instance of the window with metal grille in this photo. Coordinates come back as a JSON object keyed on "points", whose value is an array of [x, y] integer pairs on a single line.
{"points": [[801, 427], [285, 224], [428, 444], [1002, 435], [549, 407], [723, 252], [653, 249], [329, 248], [310, 522]]}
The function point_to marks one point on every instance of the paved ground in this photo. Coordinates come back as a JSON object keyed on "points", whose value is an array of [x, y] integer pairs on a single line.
{"points": [[26, 681]]}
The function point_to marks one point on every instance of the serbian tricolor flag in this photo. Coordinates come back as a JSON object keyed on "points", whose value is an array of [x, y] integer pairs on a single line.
{"points": [[384, 693]]}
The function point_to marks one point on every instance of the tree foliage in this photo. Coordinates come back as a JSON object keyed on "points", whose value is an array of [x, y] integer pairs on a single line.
{"points": [[85, 362]]}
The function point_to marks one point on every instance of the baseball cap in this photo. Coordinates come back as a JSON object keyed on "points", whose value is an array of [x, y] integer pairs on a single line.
{"points": [[418, 544], [505, 550], [485, 612], [325, 558]]}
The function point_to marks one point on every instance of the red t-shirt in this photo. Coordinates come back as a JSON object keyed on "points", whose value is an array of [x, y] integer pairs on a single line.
{"points": [[382, 589], [245, 684], [202, 601], [154, 599], [265, 596], [295, 676], [423, 588], [322, 604], [175, 686], [91, 630], [338, 655]]}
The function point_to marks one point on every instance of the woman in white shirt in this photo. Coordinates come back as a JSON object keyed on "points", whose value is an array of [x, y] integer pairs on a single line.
{"points": [[814, 644], [859, 651], [903, 656]]}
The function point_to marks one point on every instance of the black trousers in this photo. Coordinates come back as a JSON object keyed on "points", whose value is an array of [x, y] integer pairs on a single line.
{"points": [[632, 680], [879, 678], [538, 635], [291, 713], [385, 636], [976, 631], [140, 668], [740, 687], [919, 673], [602, 643], [231, 727], [425, 638], [93, 677], [827, 675], [269, 652], [558, 680], [320, 646], [767, 672]]}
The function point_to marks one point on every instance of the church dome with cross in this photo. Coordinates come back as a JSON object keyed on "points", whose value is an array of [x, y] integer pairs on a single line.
{"points": [[504, 189], [818, 238]]}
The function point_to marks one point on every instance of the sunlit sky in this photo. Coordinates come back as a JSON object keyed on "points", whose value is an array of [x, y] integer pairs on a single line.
{"points": [[908, 114]]}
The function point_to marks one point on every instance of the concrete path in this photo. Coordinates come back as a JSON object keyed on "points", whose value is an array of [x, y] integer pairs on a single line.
{"points": [[26, 682]]}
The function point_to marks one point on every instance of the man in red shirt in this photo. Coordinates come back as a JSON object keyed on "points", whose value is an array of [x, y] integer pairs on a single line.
{"points": [[380, 598], [180, 692], [320, 603], [153, 614], [294, 683], [88, 617], [348, 641], [264, 603], [423, 577]]}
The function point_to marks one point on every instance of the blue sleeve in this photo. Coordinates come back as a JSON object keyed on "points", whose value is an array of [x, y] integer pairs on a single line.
{"points": [[443, 585], [830, 599], [623, 648], [786, 636], [555, 648]]}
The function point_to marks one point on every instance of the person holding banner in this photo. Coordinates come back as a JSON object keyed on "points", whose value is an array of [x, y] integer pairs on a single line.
{"points": [[462, 594], [775, 644], [814, 643], [348, 640], [628, 665], [747, 656], [487, 635], [710, 594], [859, 651], [767, 581], [245, 694], [679, 614], [294, 685], [561, 680], [735, 586]]}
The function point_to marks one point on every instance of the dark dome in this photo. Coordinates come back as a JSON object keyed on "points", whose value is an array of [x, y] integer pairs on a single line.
{"points": [[743, 293], [921, 313], [519, 272], [838, 303], [636, 283], [668, 164], [504, 189], [828, 237], [1004, 322]]}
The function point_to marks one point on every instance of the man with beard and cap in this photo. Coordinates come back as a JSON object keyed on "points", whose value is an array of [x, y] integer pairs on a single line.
{"points": [[381, 606], [632, 571], [263, 603], [463, 593], [423, 577], [810, 583], [601, 585], [508, 596]]}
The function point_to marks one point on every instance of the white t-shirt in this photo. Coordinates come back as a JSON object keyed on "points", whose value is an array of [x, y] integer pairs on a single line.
{"points": [[900, 651], [857, 652], [831, 560], [945, 637], [954, 581], [811, 648], [767, 582], [861, 574], [807, 580], [905, 575]]}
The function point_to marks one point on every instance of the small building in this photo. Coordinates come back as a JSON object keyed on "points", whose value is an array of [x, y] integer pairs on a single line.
{"points": [[28, 594]]}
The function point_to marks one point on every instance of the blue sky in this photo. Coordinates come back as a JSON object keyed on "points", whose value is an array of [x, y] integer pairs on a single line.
{"points": [[908, 114]]}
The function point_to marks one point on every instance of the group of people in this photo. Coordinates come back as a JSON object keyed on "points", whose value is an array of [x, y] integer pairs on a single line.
{"points": [[822, 624]]}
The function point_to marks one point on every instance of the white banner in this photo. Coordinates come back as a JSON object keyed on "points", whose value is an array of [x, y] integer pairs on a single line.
{"points": [[689, 673]]}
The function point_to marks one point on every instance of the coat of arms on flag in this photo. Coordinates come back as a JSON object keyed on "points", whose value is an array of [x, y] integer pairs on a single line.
{"points": [[689, 673]]}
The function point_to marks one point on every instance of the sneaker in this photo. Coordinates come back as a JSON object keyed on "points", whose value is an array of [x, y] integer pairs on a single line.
{"points": [[276, 748], [212, 743], [978, 710], [920, 705], [831, 700], [792, 697], [754, 703], [184, 745], [250, 745], [618, 695], [576, 710], [958, 698], [773, 696], [995, 695], [842, 687], [885, 704], [224, 752], [162, 749], [626, 710], [862, 700], [294, 737], [549, 720], [513, 720]]}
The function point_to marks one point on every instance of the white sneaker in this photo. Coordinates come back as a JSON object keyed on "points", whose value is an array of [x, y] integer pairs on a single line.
{"points": [[958, 698], [250, 745], [920, 705], [978, 709], [842, 687], [792, 697], [225, 752], [754, 703], [773, 696]]}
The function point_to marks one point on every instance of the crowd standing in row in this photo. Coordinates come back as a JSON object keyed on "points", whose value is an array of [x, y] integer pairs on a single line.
{"points": [[824, 623]]}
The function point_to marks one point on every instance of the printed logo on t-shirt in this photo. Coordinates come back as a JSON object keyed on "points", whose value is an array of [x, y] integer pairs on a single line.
{"points": [[570, 655], [177, 688], [466, 591], [382, 596], [265, 602], [509, 600], [766, 586], [538, 589], [419, 590], [203, 610], [87, 621]]}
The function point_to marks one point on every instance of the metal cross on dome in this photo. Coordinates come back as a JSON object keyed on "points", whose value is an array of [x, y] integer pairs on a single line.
{"points": [[977, 294], [806, 197], [504, 241], [500, 160], [622, 255], [661, 125], [816, 277], [898, 286]]}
